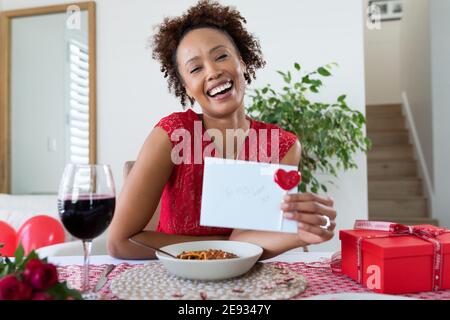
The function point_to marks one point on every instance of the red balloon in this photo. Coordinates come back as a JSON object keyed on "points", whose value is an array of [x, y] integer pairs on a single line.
{"points": [[8, 236], [40, 231]]}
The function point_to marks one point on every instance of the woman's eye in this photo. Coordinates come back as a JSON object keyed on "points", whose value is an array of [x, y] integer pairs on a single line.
{"points": [[222, 57], [195, 69]]}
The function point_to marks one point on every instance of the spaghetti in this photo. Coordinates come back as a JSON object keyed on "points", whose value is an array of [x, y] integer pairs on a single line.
{"points": [[210, 254]]}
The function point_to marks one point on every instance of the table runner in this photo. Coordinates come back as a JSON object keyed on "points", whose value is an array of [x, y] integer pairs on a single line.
{"points": [[321, 280]]}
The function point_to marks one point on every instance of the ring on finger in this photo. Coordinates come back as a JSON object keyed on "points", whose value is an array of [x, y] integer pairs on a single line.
{"points": [[328, 224]]}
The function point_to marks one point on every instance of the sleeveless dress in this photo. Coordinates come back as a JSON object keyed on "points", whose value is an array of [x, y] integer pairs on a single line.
{"points": [[181, 197]]}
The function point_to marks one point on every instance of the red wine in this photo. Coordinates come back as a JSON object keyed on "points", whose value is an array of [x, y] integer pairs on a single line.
{"points": [[87, 218]]}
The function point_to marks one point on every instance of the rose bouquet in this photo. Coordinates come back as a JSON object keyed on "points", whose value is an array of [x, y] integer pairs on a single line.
{"points": [[31, 278]]}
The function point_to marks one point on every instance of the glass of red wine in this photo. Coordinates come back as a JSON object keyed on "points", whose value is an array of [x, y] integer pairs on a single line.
{"points": [[86, 203]]}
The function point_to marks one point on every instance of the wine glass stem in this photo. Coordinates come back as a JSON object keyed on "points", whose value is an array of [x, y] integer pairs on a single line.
{"points": [[87, 245]]}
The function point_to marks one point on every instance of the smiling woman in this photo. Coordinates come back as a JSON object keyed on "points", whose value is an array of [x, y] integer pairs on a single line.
{"points": [[205, 15], [221, 63], [208, 57]]}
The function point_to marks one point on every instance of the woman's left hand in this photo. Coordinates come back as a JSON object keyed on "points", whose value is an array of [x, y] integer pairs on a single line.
{"points": [[311, 211]]}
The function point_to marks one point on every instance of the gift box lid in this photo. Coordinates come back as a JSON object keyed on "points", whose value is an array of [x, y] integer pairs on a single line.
{"points": [[394, 246]]}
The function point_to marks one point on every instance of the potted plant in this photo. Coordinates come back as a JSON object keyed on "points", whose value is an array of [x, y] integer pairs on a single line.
{"points": [[330, 133]]}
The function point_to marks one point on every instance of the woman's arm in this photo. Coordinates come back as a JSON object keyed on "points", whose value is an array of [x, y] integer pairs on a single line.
{"points": [[139, 199]]}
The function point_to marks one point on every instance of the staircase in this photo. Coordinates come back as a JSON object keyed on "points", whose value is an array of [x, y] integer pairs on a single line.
{"points": [[395, 189]]}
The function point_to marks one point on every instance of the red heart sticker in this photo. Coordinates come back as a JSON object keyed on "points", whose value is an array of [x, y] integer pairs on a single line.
{"points": [[287, 180]]}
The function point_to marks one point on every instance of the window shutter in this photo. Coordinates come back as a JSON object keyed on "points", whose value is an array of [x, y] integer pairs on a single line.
{"points": [[79, 103]]}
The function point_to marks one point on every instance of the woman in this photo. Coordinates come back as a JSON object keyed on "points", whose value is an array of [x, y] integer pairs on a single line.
{"points": [[209, 58]]}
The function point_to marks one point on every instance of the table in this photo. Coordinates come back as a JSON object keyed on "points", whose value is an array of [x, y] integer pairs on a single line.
{"points": [[322, 282], [289, 256], [70, 270]]}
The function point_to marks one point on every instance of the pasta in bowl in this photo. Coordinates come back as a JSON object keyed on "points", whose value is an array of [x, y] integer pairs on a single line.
{"points": [[210, 260]]}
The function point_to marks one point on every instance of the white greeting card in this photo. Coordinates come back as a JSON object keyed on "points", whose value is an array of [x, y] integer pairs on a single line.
{"points": [[243, 195]]}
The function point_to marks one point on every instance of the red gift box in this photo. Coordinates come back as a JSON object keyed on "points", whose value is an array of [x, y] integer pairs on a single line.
{"points": [[393, 258]]}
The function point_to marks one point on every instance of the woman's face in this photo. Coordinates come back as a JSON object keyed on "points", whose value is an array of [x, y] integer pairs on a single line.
{"points": [[212, 71]]}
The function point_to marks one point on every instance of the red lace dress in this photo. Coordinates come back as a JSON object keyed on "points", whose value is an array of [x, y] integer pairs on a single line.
{"points": [[181, 197]]}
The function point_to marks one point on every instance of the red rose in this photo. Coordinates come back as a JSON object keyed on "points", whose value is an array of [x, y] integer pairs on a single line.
{"points": [[41, 276], [12, 289], [30, 268], [41, 296]]}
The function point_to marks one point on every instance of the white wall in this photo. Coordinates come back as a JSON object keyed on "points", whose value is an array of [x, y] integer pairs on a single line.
{"points": [[37, 106], [415, 72], [132, 94], [382, 62], [440, 53]]}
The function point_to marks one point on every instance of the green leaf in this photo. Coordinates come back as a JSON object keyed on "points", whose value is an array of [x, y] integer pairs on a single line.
{"points": [[286, 76], [306, 79], [273, 100], [302, 187], [5, 271], [342, 98], [281, 73], [71, 292], [57, 291], [297, 66], [60, 291], [324, 72], [316, 83], [18, 254], [314, 89]]}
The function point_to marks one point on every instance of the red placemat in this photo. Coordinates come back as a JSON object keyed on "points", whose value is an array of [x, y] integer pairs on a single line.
{"points": [[73, 274], [321, 280]]}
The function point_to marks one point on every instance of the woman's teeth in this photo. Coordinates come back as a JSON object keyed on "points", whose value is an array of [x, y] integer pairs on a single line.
{"points": [[220, 88]]}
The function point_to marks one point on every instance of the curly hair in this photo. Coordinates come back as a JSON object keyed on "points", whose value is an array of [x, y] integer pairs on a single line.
{"points": [[210, 14]]}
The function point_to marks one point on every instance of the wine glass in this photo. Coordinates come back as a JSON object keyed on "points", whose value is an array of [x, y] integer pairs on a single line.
{"points": [[86, 203]]}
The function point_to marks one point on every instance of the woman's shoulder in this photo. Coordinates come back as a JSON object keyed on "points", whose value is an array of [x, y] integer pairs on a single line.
{"points": [[178, 120]]}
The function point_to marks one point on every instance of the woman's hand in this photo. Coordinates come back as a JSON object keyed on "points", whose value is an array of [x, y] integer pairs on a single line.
{"points": [[310, 211]]}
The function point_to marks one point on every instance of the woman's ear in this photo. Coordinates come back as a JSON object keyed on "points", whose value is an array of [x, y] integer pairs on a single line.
{"points": [[244, 70], [243, 66]]}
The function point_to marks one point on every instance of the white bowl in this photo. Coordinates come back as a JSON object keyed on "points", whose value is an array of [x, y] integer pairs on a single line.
{"points": [[248, 254]]}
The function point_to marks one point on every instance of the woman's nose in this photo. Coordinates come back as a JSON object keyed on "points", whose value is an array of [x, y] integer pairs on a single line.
{"points": [[213, 72]]}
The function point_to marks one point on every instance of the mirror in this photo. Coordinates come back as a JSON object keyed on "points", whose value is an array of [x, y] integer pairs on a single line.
{"points": [[47, 95]]}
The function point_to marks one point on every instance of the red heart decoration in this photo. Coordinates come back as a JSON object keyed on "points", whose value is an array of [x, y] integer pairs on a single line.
{"points": [[287, 180]]}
